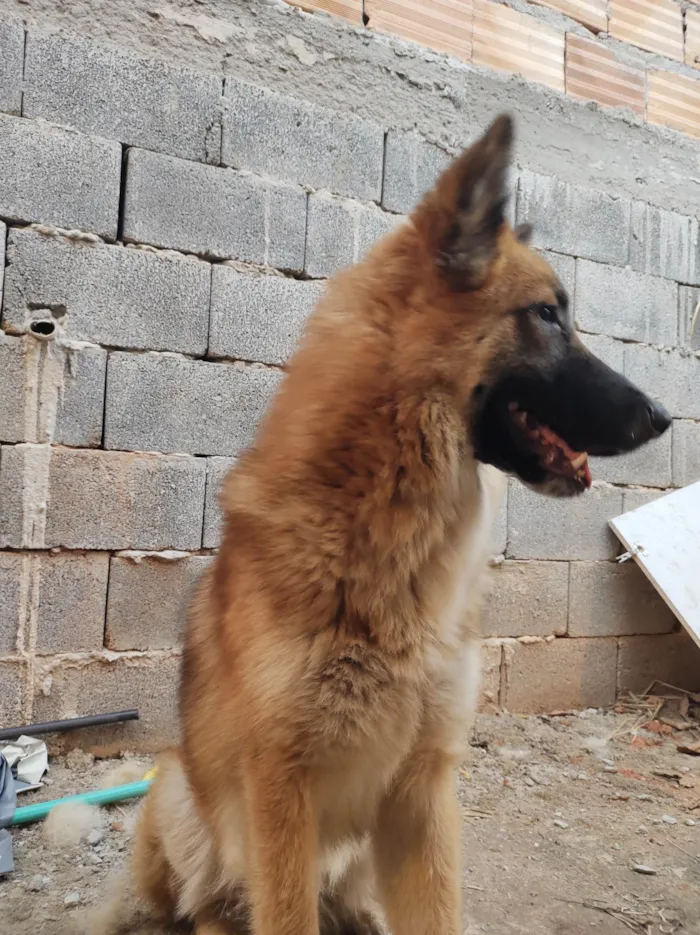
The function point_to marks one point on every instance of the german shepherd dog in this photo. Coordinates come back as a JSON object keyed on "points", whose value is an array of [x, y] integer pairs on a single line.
{"points": [[331, 656]]}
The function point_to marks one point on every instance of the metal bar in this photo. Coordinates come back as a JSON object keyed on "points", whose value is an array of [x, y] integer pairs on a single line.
{"points": [[53, 727]]}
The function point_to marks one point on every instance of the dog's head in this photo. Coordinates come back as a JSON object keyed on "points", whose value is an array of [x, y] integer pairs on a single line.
{"points": [[536, 402]]}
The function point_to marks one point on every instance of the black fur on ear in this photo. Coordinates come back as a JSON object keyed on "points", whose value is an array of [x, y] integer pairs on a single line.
{"points": [[463, 215], [523, 233]]}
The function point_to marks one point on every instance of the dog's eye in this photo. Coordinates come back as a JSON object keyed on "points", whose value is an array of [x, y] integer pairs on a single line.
{"points": [[547, 313]]}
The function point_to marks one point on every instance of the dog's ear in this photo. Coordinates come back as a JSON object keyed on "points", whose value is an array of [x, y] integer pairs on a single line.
{"points": [[463, 216]]}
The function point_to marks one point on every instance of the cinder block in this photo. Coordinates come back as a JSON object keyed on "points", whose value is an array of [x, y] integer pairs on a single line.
{"points": [[560, 675], [674, 659], [491, 659], [340, 232], [13, 419], [72, 590], [527, 599], [638, 496], [564, 529], [411, 167], [217, 469], [648, 466], [607, 599], [12, 678], [51, 393], [565, 268], [107, 91], [688, 298], [661, 242], [500, 530], [120, 500], [686, 453], [11, 61], [148, 599], [59, 177], [81, 398], [76, 688], [290, 139], [671, 376], [159, 403], [3, 242], [110, 295], [12, 600], [217, 212], [610, 351], [574, 220], [626, 304], [258, 317]]}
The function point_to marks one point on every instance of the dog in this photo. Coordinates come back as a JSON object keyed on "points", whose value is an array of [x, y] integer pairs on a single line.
{"points": [[330, 665]]}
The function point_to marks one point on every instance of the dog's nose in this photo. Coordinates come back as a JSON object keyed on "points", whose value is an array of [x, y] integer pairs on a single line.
{"points": [[659, 419]]}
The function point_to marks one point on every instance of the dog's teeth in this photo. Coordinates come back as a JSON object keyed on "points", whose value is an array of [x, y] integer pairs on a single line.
{"points": [[580, 461]]}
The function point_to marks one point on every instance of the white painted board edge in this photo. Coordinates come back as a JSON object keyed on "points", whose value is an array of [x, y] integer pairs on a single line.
{"points": [[664, 538]]}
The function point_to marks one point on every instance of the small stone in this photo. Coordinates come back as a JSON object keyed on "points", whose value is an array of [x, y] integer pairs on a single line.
{"points": [[609, 769], [95, 837], [643, 797], [559, 823], [669, 820], [690, 823], [93, 858], [642, 868], [642, 829], [71, 900], [37, 883]]}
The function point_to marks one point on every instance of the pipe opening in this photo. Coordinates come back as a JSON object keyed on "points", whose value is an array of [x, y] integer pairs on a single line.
{"points": [[43, 329]]}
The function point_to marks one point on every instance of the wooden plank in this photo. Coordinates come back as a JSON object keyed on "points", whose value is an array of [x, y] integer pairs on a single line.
{"points": [[664, 538]]}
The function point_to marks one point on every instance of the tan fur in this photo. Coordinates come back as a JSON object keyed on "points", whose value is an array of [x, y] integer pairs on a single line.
{"points": [[331, 660]]}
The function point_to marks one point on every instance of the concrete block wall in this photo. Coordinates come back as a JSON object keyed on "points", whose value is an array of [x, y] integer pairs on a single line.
{"points": [[172, 243]]}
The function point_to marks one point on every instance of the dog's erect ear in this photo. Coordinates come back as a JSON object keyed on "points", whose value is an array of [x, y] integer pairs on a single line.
{"points": [[463, 215]]}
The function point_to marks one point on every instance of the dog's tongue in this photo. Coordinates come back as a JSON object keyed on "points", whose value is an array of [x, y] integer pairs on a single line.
{"points": [[560, 458]]}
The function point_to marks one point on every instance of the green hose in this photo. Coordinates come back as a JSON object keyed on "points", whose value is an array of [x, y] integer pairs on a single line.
{"points": [[38, 811]]}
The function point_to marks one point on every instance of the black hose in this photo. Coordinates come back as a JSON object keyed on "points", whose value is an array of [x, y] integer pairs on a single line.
{"points": [[55, 727]]}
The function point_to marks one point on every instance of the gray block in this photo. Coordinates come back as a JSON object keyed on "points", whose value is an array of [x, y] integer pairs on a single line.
{"points": [[290, 139], [217, 469], [607, 599], [686, 453], [610, 351], [673, 658], [565, 529], [626, 304], [81, 398], [107, 91], [13, 387], [648, 466], [72, 601], [638, 496], [51, 393], [3, 244], [340, 232], [109, 295], [122, 500], [661, 242], [500, 530], [148, 600], [688, 298], [527, 599], [148, 683], [574, 220], [12, 479], [214, 212], [11, 61], [12, 677], [411, 167], [671, 376], [160, 403], [565, 268], [59, 177], [13, 568], [258, 317]]}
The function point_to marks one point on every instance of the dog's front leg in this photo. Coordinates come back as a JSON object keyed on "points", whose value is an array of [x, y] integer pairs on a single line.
{"points": [[417, 849], [283, 852]]}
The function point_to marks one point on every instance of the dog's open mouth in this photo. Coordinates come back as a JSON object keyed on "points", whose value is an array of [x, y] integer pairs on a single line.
{"points": [[553, 453]]}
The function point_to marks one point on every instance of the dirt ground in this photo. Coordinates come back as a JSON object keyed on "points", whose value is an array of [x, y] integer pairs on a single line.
{"points": [[557, 812]]}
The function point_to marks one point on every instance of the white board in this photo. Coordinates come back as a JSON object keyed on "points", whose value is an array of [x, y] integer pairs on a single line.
{"points": [[664, 538]]}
